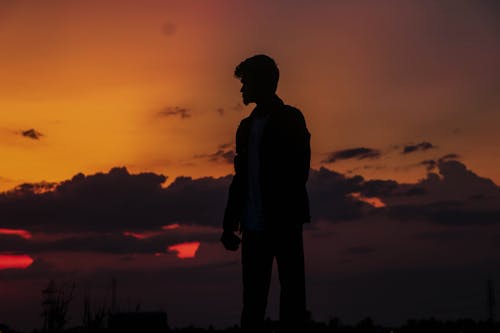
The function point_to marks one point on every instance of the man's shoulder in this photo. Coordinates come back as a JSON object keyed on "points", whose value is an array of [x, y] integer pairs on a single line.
{"points": [[293, 114], [244, 126], [294, 111], [245, 121]]}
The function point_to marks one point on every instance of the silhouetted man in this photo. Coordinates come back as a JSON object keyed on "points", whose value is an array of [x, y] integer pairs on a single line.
{"points": [[268, 200]]}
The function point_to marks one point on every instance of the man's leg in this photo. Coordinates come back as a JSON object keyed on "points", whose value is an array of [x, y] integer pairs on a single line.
{"points": [[257, 263], [290, 260]]}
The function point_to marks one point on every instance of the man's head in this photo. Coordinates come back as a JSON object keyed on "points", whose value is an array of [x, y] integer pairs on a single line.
{"points": [[259, 77]]}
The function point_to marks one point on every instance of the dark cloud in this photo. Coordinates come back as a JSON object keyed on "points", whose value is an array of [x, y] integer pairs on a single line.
{"points": [[359, 250], [94, 210], [115, 201], [449, 157], [423, 146], [32, 134], [221, 155], [330, 199], [357, 153], [429, 164], [116, 243], [457, 182], [226, 145], [451, 213], [224, 153], [175, 111], [443, 235], [226, 156], [415, 191], [366, 167], [377, 188], [456, 196]]}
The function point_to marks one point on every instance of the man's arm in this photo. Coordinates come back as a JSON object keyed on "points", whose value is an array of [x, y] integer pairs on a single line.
{"points": [[232, 214], [300, 147]]}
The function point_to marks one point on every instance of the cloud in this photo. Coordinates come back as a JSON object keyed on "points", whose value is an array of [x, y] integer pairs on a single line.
{"points": [[330, 199], [444, 235], [32, 134], [423, 146], [430, 165], [220, 155], [226, 145], [456, 196], [92, 213], [115, 243], [449, 157], [175, 111], [359, 250], [226, 156], [116, 201], [357, 153], [447, 213], [456, 182], [225, 153]]}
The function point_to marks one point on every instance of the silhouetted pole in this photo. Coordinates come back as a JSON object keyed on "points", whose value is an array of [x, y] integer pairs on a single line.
{"points": [[491, 301], [48, 305], [113, 295], [87, 317]]}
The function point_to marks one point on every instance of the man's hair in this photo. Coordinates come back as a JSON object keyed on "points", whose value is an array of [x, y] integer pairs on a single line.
{"points": [[261, 69]]}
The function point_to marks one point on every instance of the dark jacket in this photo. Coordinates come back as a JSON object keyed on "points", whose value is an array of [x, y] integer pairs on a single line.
{"points": [[285, 156]]}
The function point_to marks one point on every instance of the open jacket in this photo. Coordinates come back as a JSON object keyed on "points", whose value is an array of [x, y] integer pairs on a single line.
{"points": [[285, 156]]}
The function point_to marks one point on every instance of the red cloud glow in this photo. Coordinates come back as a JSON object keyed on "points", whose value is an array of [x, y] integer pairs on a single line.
{"points": [[185, 250], [136, 234], [147, 234], [374, 201], [19, 261], [171, 226], [19, 232]]}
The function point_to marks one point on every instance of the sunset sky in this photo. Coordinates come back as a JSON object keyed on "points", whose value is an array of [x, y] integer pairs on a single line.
{"points": [[117, 125]]}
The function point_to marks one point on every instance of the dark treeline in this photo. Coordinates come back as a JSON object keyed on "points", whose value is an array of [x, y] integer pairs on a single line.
{"points": [[368, 326], [334, 326]]}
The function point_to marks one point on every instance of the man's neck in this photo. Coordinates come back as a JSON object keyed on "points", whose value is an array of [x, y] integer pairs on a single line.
{"points": [[268, 100], [266, 106]]}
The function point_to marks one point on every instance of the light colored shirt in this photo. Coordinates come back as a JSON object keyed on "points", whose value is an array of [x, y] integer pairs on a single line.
{"points": [[254, 217]]}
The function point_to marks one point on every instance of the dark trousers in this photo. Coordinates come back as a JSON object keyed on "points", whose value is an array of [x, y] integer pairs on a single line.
{"points": [[259, 248]]}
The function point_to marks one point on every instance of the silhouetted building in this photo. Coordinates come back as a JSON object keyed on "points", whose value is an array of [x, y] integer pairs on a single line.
{"points": [[151, 322]]}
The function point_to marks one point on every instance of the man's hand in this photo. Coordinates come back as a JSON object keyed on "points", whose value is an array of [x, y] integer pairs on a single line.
{"points": [[230, 241]]}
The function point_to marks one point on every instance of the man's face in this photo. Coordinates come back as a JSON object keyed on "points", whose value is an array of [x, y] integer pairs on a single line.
{"points": [[249, 91]]}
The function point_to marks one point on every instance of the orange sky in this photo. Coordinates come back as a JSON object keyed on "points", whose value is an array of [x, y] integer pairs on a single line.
{"points": [[92, 77]]}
